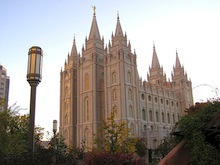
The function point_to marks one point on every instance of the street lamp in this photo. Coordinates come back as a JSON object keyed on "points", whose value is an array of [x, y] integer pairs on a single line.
{"points": [[35, 57], [54, 127], [54, 139]]}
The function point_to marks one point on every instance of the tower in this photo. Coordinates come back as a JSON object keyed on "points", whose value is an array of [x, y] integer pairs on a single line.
{"points": [[90, 87], [182, 86], [121, 79], [68, 97]]}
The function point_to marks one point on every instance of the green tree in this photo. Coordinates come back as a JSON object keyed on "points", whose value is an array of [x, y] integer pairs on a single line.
{"points": [[14, 137], [115, 137], [198, 127], [141, 147]]}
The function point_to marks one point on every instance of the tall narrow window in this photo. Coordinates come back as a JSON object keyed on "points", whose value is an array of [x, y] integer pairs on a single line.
{"points": [[129, 77], [162, 117], [131, 112], [66, 91], [168, 117], [66, 119], [157, 116], [143, 114], [66, 108], [114, 95], [145, 128], [150, 115], [86, 81], [115, 111], [174, 121], [113, 77], [129, 95], [86, 106]]}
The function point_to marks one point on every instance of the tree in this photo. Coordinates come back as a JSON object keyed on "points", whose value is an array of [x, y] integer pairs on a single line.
{"points": [[107, 158], [115, 137], [14, 137], [198, 127], [141, 147]]}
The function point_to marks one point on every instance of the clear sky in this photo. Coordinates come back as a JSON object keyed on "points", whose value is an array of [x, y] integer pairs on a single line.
{"points": [[191, 27]]}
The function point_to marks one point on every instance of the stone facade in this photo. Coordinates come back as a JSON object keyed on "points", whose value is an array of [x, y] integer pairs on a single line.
{"points": [[102, 79]]}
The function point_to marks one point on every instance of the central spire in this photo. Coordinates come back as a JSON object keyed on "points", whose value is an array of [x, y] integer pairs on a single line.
{"points": [[94, 31], [178, 65], [118, 30], [155, 62]]}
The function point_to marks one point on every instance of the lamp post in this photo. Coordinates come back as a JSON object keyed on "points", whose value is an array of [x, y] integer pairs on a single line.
{"points": [[54, 127], [34, 70], [54, 139]]}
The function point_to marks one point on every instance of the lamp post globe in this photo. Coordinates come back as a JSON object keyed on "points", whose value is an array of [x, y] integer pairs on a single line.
{"points": [[54, 126], [34, 76]]}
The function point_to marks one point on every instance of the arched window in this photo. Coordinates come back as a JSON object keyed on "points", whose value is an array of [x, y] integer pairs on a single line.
{"points": [[168, 117], [163, 117], [149, 98], [174, 121], [113, 77], [115, 111], [86, 81], [114, 95], [129, 95], [129, 77], [66, 108], [86, 108], [131, 112], [145, 128], [150, 115], [66, 91], [143, 114], [66, 119], [157, 116]]}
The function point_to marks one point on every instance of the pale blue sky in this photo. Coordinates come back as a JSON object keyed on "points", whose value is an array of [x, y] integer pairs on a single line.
{"points": [[190, 26]]}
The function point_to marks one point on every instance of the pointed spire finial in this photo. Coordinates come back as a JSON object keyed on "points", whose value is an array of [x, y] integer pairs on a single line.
{"points": [[178, 64], [153, 45], [74, 38], [117, 15]]}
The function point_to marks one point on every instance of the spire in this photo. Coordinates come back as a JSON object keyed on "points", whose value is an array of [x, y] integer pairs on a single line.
{"points": [[155, 62], [178, 65], [94, 31], [74, 50], [118, 30]]}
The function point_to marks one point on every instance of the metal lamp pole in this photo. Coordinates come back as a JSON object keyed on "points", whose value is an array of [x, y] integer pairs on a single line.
{"points": [[34, 70], [54, 139]]}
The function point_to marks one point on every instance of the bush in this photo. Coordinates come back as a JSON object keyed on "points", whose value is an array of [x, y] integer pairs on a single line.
{"points": [[107, 158]]}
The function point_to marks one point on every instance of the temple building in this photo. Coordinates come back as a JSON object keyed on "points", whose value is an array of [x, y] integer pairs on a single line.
{"points": [[104, 79]]}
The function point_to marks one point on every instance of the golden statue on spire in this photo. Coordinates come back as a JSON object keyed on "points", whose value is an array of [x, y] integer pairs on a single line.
{"points": [[94, 9]]}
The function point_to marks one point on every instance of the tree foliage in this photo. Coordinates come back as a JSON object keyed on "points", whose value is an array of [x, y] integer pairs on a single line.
{"points": [[141, 147], [104, 158], [196, 126], [13, 131], [115, 137]]}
